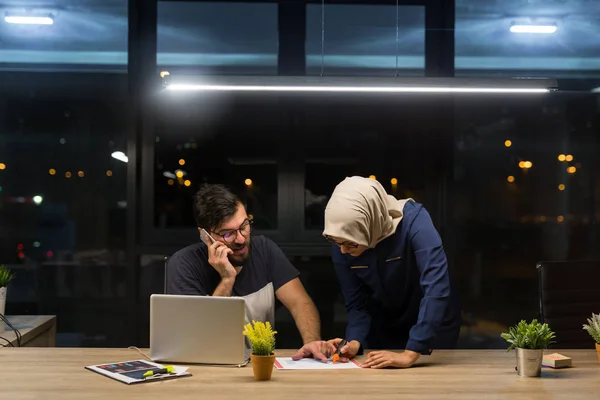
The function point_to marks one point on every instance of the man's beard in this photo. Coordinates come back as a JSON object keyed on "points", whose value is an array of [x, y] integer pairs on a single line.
{"points": [[238, 260]]}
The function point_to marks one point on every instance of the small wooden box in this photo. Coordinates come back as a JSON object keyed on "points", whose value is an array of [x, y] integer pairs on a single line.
{"points": [[556, 360]]}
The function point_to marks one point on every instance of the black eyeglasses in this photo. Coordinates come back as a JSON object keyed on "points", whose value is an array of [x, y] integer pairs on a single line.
{"points": [[349, 245], [229, 235]]}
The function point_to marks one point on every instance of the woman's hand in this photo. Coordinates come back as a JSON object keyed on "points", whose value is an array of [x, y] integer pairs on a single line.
{"points": [[388, 359], [349, 350]]}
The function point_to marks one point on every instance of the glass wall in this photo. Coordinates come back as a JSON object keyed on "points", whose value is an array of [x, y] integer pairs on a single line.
{"points": [[62, 196], [368, 40], [524, 189], [508, 180], [513, 38], [230, 139], [68, 36], [211, 36], [390, 138], [63, 203]]}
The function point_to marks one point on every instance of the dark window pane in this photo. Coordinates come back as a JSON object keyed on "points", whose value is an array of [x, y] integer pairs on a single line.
{"points": [[508, 207], [63, 204], [487, 46], [210, 35], [323, 176], [228, 139], [543, 180], [363, 40], [391, 138], [64, 36]]}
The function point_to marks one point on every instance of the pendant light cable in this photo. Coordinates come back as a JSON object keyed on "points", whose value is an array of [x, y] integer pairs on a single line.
{"points": [[322, 36], [397, 34]]}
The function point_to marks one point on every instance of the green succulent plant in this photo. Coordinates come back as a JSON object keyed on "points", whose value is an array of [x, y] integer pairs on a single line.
{"points": [[6, 275], [593, 327], [531, 336]]}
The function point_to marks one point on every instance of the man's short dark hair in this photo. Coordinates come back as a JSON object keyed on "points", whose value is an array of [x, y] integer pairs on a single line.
{"points": [[213, 204]]}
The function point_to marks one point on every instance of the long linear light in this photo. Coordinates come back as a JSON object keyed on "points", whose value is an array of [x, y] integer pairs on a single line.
{"points": [[352, 89], [311, 84], [547, 29], [28, 20]]}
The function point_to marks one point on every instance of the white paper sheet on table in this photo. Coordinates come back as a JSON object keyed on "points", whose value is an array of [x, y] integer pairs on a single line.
{"points": [[311, 363]]}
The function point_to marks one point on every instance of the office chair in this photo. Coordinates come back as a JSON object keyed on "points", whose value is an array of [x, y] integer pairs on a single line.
{"points": [[569, 293]]}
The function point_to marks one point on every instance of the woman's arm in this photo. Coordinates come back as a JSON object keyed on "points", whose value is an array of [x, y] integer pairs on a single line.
{"points": [[434, 280], [355, 299]]}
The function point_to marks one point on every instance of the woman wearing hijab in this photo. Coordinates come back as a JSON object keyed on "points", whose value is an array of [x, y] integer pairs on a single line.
{"points": [[393, 274]]}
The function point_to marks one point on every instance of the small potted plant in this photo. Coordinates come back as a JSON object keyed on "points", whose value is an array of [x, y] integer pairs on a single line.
{"points": [[593, 328], [262, 340], [6, 275], [530, 340]]}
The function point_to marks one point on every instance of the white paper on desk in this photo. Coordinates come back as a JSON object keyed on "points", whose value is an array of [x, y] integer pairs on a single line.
{"points": [[311, 363]]}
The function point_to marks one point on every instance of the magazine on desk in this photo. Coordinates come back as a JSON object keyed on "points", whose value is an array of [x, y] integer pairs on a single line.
{"points": [[131, 372]]}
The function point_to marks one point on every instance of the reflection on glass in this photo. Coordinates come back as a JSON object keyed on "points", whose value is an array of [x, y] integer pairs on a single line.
{"points": [[322, 176], [365, 40], [516, 178], [87, 37], [513, 206], [213, 35], [501, 38], [381, 137], [227, 139], [62, 219]]}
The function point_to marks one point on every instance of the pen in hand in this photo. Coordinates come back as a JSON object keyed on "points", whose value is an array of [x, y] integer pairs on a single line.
{"points": [[166, 370], [336, 355]]}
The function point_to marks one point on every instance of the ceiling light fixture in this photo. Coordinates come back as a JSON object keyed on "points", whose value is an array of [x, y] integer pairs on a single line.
{"points": [[28, 20], [544, 29], [355, 89], [360, 85]]}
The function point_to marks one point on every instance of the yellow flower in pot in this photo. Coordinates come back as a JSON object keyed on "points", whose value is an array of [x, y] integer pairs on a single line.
{"points": [[593, 328], [262, 340]]}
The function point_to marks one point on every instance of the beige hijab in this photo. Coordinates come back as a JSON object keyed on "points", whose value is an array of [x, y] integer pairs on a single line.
{"points": [[361, 211]]}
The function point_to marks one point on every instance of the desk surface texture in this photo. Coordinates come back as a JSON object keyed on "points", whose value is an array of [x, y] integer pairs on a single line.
{"points": [[58, 373]]}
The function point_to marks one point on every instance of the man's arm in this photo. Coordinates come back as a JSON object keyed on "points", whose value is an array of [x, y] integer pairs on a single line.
{"points": [[355, 299], [225, 287], [434, 280], [294, 297], [290, 291]]}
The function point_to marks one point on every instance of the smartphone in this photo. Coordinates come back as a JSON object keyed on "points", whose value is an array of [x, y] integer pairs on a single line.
{"points": [[206, 238]]}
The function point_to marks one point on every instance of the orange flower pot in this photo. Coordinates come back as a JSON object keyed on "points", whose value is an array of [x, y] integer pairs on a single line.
{"points": [[262, 366], [598, 350]]}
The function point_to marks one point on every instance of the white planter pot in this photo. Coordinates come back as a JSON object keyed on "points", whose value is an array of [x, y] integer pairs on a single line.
{"points": [[529, 362], [2, 300]]}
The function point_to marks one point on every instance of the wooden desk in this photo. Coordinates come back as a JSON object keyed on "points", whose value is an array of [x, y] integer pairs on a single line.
{"points": [[58, 373], [36, 331]]}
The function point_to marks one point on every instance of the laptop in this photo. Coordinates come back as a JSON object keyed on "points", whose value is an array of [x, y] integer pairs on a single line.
{"points": [[197, 329]]}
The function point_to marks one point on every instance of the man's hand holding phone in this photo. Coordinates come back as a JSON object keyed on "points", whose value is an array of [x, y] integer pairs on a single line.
{"points": [[217, 257]]}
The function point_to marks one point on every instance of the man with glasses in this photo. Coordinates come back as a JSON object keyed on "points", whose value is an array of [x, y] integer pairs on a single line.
{"points": [[229, 261]]}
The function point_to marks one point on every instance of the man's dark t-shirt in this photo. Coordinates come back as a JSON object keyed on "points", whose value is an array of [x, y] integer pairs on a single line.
{"points": [[263, 273]]}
